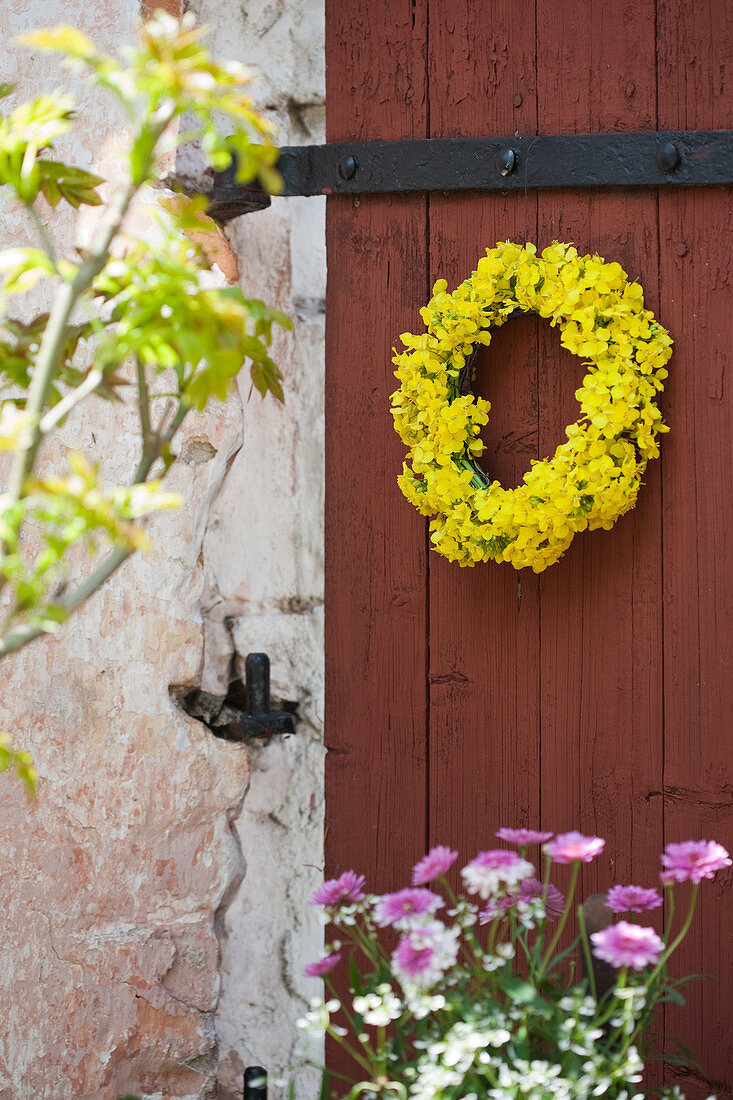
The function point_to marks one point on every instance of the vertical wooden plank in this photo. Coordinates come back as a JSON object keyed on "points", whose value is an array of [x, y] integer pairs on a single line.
{"points": [[601, 605], [375, 557], [484, 630], [696, 92], [579, 654]]}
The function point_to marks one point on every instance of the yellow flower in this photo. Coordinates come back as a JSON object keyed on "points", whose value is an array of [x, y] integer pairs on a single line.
{"points": [[594, 476]]}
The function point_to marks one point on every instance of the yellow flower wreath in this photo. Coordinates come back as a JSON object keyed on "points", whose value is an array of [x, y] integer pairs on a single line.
{"points": [[594, 477]]}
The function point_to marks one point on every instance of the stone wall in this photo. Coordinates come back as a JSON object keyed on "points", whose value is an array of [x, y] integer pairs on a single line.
{"points": [[124, 898], [263, 554]]}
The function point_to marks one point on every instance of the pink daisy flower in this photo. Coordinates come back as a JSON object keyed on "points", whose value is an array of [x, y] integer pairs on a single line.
{"points": [[322, 966], [693, 860], [632, 899], [532, 890], [400, 910], [436, 862], [568, 847], [625, 944], [491, 871], [521, 836], [338, 891], [422, 957], [496, 908]]}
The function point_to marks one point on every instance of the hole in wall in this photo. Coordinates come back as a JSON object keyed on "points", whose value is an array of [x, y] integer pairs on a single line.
{"points": [[197, 451], [221, 713]]}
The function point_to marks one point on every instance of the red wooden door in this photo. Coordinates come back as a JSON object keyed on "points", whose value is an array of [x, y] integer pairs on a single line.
{"points": [[599, 695]]}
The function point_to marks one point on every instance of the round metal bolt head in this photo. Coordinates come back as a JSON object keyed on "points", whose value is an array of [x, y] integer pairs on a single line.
{"points": [[347, 168], [668, 156], [506, 162]]}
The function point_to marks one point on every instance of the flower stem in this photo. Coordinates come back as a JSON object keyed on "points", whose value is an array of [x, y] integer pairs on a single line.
{"points": [[351, 1051], [670, 915], [362, 1037], [680, 936], [586, 954], [563, 921]]}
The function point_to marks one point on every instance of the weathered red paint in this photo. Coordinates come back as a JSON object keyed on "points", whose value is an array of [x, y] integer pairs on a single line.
{"points": [[596, 696], [375, 598]]}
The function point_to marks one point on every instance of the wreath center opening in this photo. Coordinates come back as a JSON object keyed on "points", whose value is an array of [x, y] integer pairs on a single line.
{"points": [[530, 380]]}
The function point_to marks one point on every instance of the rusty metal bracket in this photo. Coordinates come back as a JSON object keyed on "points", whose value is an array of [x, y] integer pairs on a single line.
{"points": [[669, 158]]}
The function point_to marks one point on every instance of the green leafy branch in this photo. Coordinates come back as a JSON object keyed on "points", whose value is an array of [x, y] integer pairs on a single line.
{"points": [[146, 303]]}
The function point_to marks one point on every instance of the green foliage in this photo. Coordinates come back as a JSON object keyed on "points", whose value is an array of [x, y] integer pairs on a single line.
{"points": [[156, 332], [435, 994], [165, 318], [19, 343], [19, 762], [172, 69], [22, 268]]}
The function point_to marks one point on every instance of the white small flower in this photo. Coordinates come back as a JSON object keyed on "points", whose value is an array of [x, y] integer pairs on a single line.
{"points": [[378, 1009], [629, 992], [317, 1020], [422, 1004], [202, 81]]}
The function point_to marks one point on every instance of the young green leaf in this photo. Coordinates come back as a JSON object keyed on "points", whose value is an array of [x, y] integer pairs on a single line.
{"points": [[62, 39], [21, 268], [64, 181], [18, 761]]}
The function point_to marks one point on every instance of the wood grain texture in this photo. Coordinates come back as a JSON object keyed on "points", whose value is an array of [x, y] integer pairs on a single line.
{"points": [[600, 655], [696, 90], [375, 580], [484, 714], [375, 546], [597, 696]]}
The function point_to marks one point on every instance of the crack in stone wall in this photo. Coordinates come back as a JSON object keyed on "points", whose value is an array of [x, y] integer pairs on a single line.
{"points": [[263, 555], [269, 598]]}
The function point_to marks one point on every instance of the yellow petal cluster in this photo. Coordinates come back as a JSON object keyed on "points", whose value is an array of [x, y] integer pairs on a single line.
{"points": [[595, 475]]}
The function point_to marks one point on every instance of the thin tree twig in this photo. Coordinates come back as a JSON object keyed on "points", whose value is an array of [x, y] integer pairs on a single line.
{"points": [[42, 233], [55, 415], [183, 411], [66, 297], [21, 635], [47, 360], [143, 402], [53, 336]]}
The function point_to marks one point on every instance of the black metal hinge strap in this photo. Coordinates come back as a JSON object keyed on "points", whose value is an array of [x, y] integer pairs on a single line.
{"points": [[679, 158]]}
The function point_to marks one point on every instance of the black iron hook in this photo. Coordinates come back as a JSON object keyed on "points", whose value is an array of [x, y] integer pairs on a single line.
{"points": [[259, 721]]}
